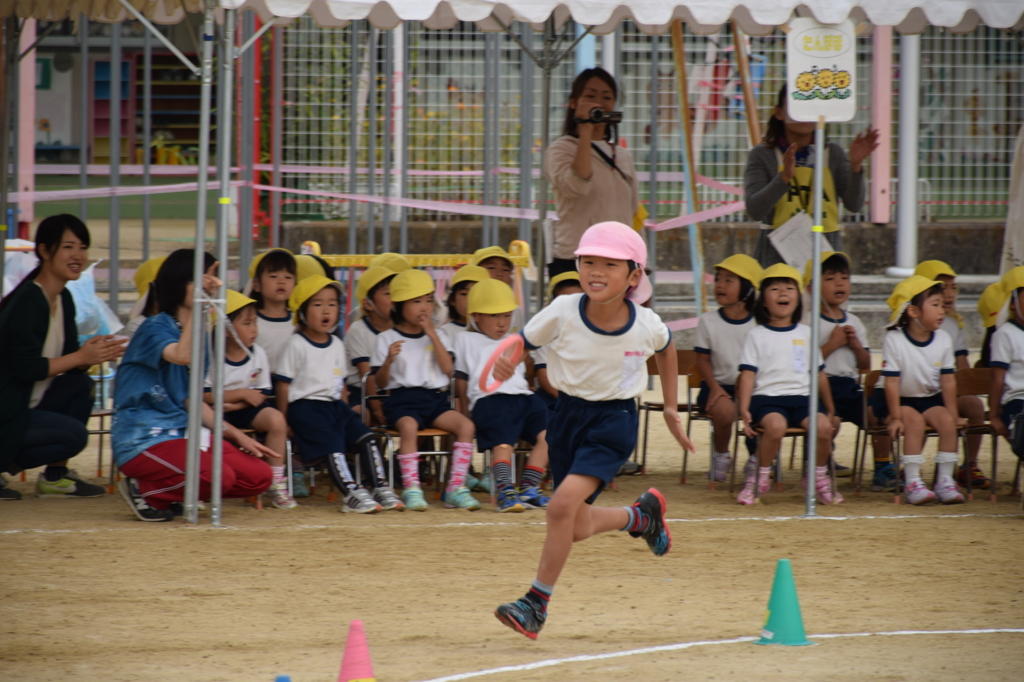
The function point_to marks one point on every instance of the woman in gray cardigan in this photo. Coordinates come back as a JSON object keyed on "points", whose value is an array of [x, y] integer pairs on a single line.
{"points": [[778, 179]]}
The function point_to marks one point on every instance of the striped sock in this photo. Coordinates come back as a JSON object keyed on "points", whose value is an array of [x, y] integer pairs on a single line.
{"points": [[637, 522], [540, 594], [532, 476], [502, 472]]}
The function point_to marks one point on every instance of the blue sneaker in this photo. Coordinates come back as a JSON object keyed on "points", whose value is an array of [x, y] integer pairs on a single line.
{"points": [[652, 505], [884, 480], [532, 497], [299, 487], [460, 498], [523, 616], [508, 500]]}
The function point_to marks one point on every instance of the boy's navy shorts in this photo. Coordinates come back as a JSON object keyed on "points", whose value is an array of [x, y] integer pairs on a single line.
{"points": [[323, 427], [590, 438], [880, 407], [243, 419], [422, 404], [793, 407], [1011, 410], [848, 399], [355, 395], [503, 419], [705, 393]]}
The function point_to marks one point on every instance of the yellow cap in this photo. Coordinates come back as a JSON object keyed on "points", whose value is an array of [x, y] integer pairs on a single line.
{"points": [[1012, 279], [990, 303], [470, 273], [932, 269], [781, 270], [825, 255], [308, 288], [368, 280], [307, 266], [904, 292], [236, 301], [411, 284], [395, 262], [562, 277], [490, 252], [256, 261], [491, 297], [744, 266], [146, 274]]}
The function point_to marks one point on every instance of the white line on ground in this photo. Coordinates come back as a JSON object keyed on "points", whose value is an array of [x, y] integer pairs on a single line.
{"points": [[689, 645]]}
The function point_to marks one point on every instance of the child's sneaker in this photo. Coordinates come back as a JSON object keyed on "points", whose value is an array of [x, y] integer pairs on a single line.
{"points": [[359, 501], [412, 496], [7, 493], [746, 495], [823, 486], [72, 485], [279, 497], [978, 480], [652, 505], [918, 493], [460, 498], [523, 616], [508, 500], [299, 487], [947, 492], [532, 497], [480, 485], [137, 503], [722, 466], [884, 479], [387, 498]]}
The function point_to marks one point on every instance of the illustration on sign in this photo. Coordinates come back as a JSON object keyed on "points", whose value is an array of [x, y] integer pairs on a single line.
{"points": [[823, 84], [821, 62]]}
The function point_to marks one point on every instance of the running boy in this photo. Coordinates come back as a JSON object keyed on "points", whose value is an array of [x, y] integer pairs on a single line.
{"points": [[600, 342]]}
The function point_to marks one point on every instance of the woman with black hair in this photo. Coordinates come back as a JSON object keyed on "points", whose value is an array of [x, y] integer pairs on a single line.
{"points": [[779, 174], [592, 177], [45, 394]]}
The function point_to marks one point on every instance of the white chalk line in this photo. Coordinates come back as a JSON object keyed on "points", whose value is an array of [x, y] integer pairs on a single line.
{"points": [[458, 524], [689, 645]]}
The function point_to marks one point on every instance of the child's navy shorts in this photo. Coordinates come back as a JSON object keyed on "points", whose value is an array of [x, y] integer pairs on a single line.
{"points": [[503, 419], [243, 419], [793, 407], [323, 427], [422, 404], [705, 393], [1011, 410], [880, 407], [848, 399], [546, 398], [590, 438], [355, 395]]}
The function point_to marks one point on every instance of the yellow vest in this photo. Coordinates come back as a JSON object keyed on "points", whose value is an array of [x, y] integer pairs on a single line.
{"points": [[800, 199]]}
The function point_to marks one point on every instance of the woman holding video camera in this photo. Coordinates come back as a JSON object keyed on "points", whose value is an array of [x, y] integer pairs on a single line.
{"points": [[593, 178]]}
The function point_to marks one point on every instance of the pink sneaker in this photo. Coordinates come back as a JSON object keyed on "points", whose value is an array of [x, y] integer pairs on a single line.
{"points": [[823, 486], [918, 493], [764, 483], [746, 495], [947, 491]]}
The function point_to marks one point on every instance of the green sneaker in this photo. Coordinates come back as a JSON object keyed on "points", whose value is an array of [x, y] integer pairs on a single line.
{"points": [[413, 498], [72, 485], [461, 498], [299, 487]]}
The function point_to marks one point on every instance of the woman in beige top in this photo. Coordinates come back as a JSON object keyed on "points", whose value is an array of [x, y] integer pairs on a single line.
{"points": [[593, 178]]}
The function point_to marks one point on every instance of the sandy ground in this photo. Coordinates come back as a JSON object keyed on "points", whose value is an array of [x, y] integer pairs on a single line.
{"points": [[92, 594]]}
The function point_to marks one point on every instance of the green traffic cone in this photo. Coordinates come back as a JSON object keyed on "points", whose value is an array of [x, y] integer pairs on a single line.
{"points": [[784, 624]]}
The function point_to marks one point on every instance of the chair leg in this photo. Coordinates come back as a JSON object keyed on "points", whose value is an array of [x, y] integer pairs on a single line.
{"points": [[970, 470], [757, 472], [488, 463], [778, 467], [288, 469], [311, 475], [896, 457], [732, 465], [995, 468], [647, 424]]}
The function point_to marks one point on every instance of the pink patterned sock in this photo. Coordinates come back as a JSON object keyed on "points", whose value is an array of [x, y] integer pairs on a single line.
{"points": [[410, 469], [462, 455]]}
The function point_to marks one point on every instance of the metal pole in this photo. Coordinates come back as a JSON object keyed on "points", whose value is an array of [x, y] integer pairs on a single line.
{"points": [[906, 209], [10, 66], [525, 145], [652, 169], [83, 113], [389, 65], [353, 133], [486, 238], [545, 137], [195, 412], [147, 130], [812, 422], [881, 120], [245, 222], [276, 135], [225, 61], [115, 167], [402, 123], [371, 142]]}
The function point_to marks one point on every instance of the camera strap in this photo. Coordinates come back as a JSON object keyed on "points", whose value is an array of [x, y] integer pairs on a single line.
{"points": [[610, 160]]}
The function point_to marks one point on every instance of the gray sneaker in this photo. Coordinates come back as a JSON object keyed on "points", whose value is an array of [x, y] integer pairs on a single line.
{"points": [[360, 502], [388, 499]]}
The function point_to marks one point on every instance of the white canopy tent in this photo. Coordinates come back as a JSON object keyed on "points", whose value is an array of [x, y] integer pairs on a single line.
{"points": [[756, 17]]}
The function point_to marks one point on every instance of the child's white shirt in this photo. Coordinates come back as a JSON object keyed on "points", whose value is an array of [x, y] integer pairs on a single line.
{"points": [[273, 335], [414, 367], [451, 331], [314, 371], [779, 357], [919, 366], [518, 321], [722, 339], [1007, 352], [951, 326], [540, 361], [472, 351], [252, 372], [592, 364], [360, 342], [842, 362]]}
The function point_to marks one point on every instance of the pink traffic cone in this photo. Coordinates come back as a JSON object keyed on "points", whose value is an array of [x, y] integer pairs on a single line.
{"points": [[356, 665]]}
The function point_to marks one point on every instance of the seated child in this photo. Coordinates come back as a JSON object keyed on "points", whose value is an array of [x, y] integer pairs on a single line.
{"points": [[309, 386], [458, 296], [562, 284], [1006, 398], [412, 363], [720, 336], [146, 306], [373, 294], [246, 389], [272, 278], [774, 385], [920, 386], [510, 414], [498, 262], [990, 304]]}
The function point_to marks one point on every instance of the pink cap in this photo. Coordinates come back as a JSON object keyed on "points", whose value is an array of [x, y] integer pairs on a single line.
{"points": [[619, 242]]}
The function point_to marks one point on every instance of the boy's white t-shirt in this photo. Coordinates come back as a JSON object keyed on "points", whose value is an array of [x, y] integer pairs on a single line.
{"points": [[1007, 352], [518, 321], [273, 334], [415, 366], [252, 372], [360, 341], [472, 351], [780, 358], [451, 331], [314, 371], [951, 326], [592, 364], [722, 339], [918, 365], [842, 362]]}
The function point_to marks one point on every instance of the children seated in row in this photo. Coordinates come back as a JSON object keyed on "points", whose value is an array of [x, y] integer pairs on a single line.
{"points": [[562, 284], [512, 412], [1006, 397], [458, 298], [413, 364], [373, 292], [774, 384]]}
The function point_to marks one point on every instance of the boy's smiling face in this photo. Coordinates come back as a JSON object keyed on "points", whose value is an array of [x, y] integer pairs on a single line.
{"points": [[605, 279]]}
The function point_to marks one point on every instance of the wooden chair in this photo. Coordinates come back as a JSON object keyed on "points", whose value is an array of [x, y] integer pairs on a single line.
{"points": [[686, 361], [978, 382]]}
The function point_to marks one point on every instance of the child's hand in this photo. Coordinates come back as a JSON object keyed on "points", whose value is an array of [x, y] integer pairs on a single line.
{"points": [[675, 427], [839, 337], [999, 427], [427, 322], [378, 412], [503, 368], [748, 430], [210, 282], [895, 427], [253, 397], [394, 350], [254, 447], [851, 337]]}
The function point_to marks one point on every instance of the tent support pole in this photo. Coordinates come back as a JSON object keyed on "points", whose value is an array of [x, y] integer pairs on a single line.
{"points": [[11, 34], [83, 115], [147, 132], [525, 148], [906, 208], [114, 225], [276, 135]]}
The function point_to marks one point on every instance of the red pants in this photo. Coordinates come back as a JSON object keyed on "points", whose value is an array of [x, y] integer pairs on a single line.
{"points": [[160, 471]]}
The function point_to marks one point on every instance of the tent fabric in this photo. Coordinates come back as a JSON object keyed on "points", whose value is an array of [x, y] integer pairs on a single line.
{"points": [[756, 17]]}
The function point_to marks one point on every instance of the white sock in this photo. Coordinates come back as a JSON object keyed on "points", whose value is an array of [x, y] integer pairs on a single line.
{"points": [[912, 470], [946, 462], [821, 472], [723, 454], [278, 473]]}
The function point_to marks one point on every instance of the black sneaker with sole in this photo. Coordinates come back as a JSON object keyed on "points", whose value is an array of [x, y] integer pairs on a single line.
{"points": [[8, 493], [652, 505], [82, 487], [142, 510], [523, 616]]}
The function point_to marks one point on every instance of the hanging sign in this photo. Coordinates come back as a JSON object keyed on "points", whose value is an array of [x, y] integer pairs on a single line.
{"points": [[821, 63]]}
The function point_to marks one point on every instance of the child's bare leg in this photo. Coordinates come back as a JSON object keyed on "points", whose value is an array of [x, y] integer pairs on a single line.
{"points": [[723, 416], [913, 430], [971, 408], [272, 423], [538, 458], [774, 427], [570, 519], [825, 430], [940, 419]]}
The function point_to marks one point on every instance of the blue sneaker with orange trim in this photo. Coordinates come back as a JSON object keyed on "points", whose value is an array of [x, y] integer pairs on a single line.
{"points": [[652, 505], [523, 616]]}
